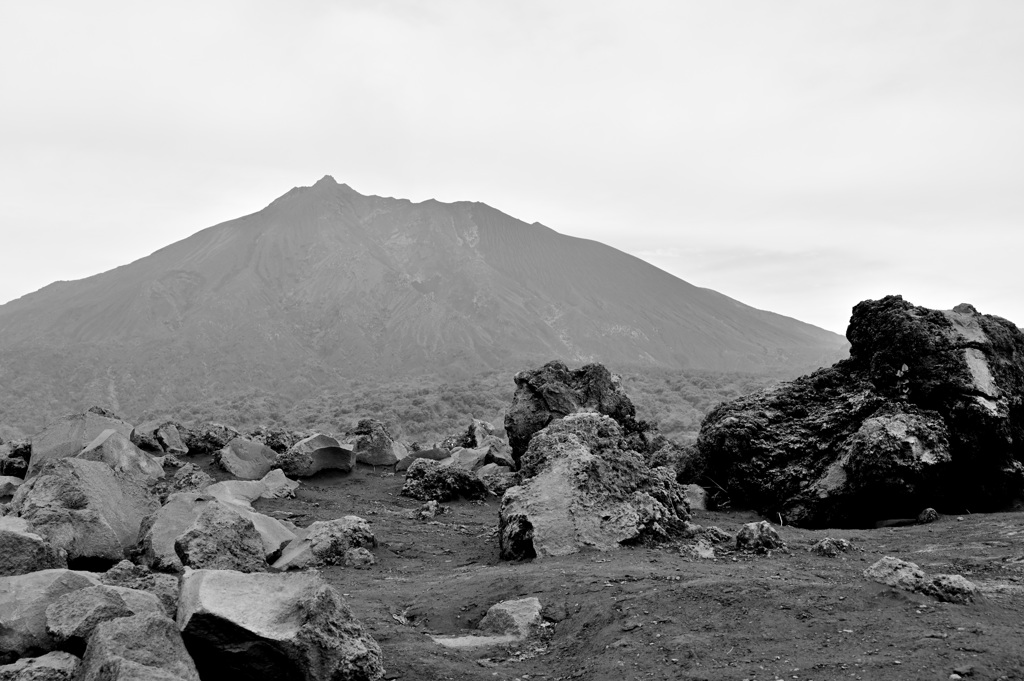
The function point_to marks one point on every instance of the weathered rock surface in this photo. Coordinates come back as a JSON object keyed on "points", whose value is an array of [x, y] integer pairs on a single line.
{"points": [[67, 436], [286, 626], [314, 454], [435, 454], [326, 542], [758, 537], [582, 488], [9, 485], [505, 623], [908, 576], [85, 508], [275, 438], [926, 412], [144, 646], [118, 452], [138, 578], [553, 392], [375, 446], [23, 603], [53, 666], [71, 618], [189, 478], [22, 551], [830, 547], [428, 480], [246, 459], [162, 437], [209, 438], [221, 539]]}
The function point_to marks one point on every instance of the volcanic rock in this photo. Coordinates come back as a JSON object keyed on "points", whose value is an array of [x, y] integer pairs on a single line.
{"points": [[143, 646], [428, 480], [583, 488], [85, 508], [246, 459], [375, 446], [435, 454], [118, 452], [758, 537], [9, 485], [285, 626], [326, 542], [22, 551], [163, 437], [126, 576], [830, 547], [71, 618], [67, 436], [220, 539], [209, 438], [553, 392], [53, 666], [23, 603], [924, 413], [316, 453]]}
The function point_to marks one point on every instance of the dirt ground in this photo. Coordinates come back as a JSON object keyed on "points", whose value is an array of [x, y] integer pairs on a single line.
{"points": [[640, 613]]}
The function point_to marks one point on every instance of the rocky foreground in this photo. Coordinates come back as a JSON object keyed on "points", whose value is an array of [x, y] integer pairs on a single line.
{"points": [[164, 551]]}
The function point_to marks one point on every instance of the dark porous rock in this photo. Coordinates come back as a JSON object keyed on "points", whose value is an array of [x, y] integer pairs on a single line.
{"points": [[928, 515], [23, 603], [146, 646], [71, 618], [925, 412], [14, 458], [277, 439], [553, 392], [221, 539], [53, 666], [189, 478], [316, 453], [273, 626], [208, 438], [160, 436], [246, 459], [375, 446], [582, 487], [22, 551], [85, 508], [68, 435], [428, 480]]}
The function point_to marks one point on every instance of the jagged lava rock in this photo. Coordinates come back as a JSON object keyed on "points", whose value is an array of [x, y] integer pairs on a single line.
{"points": [[68, 435], [316, 453], [926, 412], [138, 578], [159, 436], [325, 542], [71, 618], [85, 508], [221, 539], [375, 446], [145, 646], [429, 480], [23, 603], [553, 392], [209, 438], [22, 551], [267, 626], [118, 452], [246, 459], [583, 488], [53, 666]]}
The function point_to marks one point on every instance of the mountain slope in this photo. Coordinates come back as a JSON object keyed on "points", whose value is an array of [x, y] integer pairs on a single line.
{"points": [[325, 283]]}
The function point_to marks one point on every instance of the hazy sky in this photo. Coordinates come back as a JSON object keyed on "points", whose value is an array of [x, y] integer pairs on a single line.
{"points": [[797, 156]]}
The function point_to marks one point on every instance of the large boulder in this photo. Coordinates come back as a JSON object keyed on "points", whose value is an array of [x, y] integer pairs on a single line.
{"points": [[126, 576], [208, 438], [277, 439], [118, 452], [925, 412], [220, 539], [68, 435], [375, 446], [267, 626], [163, 437], [71, 618], [23, 603], [22, 551], [428, 480], [553, 392], [145, 646], [53, 666], [246, 459], [584, 488], [85, 508], [325, 542], [316, 453]]}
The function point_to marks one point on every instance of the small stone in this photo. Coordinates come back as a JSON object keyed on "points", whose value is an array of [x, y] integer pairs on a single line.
{"points": [[928, 515]]}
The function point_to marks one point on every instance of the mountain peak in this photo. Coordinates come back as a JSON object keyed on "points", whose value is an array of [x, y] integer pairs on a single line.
{"points": [[326, 181]]}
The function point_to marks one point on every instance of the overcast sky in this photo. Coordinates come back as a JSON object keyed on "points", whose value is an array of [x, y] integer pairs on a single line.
{"points": [[797, 156]]}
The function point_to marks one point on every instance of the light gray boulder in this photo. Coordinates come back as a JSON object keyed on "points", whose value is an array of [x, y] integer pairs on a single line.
{"points": [[23, 603], [326, 543], [246, 459], [142, 647], [71, 618], [374, 445], [118, 452], [221, 539], [260, 625], [316, 453], [53, 666], [85, 508], [67, 436], [22, 551]]}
